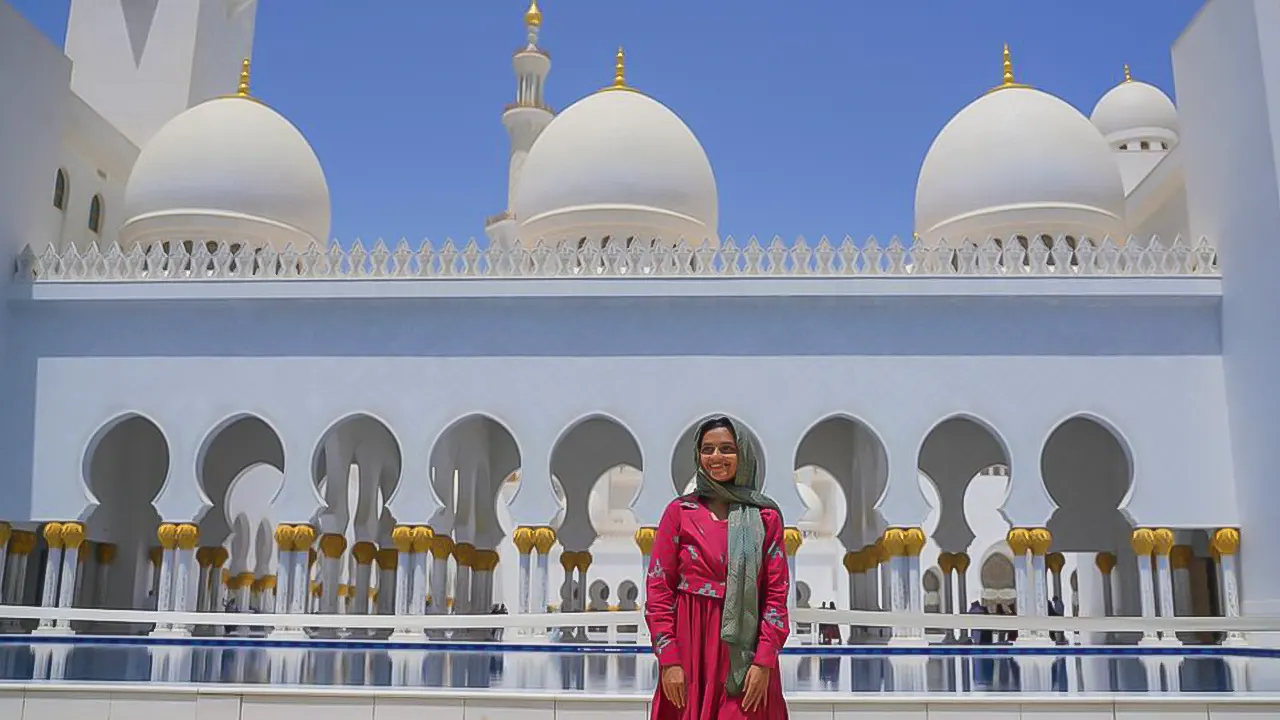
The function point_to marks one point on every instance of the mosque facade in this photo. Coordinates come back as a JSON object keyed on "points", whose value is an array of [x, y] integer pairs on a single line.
{"points": [[1058, 388]]}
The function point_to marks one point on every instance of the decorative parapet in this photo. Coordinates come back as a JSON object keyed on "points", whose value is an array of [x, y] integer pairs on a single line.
{"points": [[212, 261]]}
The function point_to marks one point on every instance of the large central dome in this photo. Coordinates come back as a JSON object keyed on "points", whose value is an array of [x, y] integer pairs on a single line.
{"points": [[228, 168], [1018, 161], [616, 163]]}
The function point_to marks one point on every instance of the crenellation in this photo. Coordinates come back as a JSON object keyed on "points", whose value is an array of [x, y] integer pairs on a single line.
{"points": [[194, 260]]}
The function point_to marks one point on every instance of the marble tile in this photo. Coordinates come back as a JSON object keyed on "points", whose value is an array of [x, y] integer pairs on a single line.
{"points": [[621, 710], [527, 709], [302, 707], [879, 711], [974, 711], [1069, 711], [1244, 712], [810, 711], [43, 705], [11, 704], [218, 707], [410, 708], [146, 706], [1170, 711]]}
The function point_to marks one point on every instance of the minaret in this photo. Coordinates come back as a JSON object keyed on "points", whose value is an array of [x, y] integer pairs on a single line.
{"points": [[525, 119], [139, 63]]}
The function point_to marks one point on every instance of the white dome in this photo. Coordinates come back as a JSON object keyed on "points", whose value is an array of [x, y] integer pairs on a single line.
{"points": [[228, 168], [616, 163], [1135, 110], [1018, 160]]}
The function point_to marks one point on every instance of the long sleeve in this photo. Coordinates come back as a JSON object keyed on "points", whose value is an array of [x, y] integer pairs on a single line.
{"points": [[775, 624], [660, 589]]}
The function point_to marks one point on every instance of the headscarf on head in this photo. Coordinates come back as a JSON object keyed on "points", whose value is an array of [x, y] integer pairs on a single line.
{"points": [[740, 622]]}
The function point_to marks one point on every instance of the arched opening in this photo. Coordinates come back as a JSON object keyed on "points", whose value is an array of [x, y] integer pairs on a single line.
{"points": [[475, 467], [126, 467], [60, 189], [954, 452], [95, 215], [1088, 473], [356, 467], [598, 464]]}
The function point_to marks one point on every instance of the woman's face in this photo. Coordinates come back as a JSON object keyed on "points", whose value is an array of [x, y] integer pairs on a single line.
{"points": [[718, 454]]}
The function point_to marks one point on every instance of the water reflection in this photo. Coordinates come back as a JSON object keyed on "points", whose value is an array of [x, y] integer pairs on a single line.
{"points": [[604, 672]]}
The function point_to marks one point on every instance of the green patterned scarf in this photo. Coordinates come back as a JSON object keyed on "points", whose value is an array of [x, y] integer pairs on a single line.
{"points": [[740, 623]]}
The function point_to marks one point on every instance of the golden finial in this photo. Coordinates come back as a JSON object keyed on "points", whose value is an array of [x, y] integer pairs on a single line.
{"points": [[620, 74], [1127, 76], [243, 90], [533, 16], [1008, 81], [620, 70]]}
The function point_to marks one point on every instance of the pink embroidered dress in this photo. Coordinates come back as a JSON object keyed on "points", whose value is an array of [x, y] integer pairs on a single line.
{"points": [[684, 600]]}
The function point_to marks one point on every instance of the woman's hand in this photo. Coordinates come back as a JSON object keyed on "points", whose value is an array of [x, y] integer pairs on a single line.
{"points": [[673, 685], [754, 688]]}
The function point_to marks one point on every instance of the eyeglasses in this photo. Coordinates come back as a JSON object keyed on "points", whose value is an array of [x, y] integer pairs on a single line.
{"points": [[722, 449]]}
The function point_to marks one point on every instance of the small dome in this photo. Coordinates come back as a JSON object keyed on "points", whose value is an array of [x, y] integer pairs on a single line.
{"points": [[1135, 110], [1018, 161], [229, 168], [616, 163]]}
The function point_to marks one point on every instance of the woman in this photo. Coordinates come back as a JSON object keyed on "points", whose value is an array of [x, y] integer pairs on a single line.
{"points": [[716, 593]]}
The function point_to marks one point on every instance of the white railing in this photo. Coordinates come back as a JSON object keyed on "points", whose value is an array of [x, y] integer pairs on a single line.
{"points": [[615, 619], [202, 259]]}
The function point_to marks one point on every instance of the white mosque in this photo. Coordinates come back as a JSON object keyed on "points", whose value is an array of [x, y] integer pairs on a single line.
{"points": [[1061, 387]]}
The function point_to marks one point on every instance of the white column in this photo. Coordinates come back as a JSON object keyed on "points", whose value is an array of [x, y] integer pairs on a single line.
{"points": [[463, 553], [1226, 544], [1019, 540], [1056, 562], [1164, 578], [402, 536], [645, 537], [388, 562], [300, 582], [895, 544], [792, 540], [332, 546], [544, 539], [1143, 544], [1039, 541], [364, 553], [441, 551], [188, 540], [52, 568], [167, 534], [914, 540], [961, 561], [72, 541], [523, 540], [420, 580]]}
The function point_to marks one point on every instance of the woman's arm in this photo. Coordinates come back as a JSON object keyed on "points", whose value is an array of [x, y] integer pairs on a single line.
{"points": [[660, 588], [775, 624]]}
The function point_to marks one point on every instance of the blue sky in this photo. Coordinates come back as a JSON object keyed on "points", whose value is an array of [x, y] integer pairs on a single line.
{"points": [[816, 114]]}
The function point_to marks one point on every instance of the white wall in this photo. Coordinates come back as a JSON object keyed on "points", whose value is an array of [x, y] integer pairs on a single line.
{"points": [[1150, 371], [98, 159], [1227, 73]]}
